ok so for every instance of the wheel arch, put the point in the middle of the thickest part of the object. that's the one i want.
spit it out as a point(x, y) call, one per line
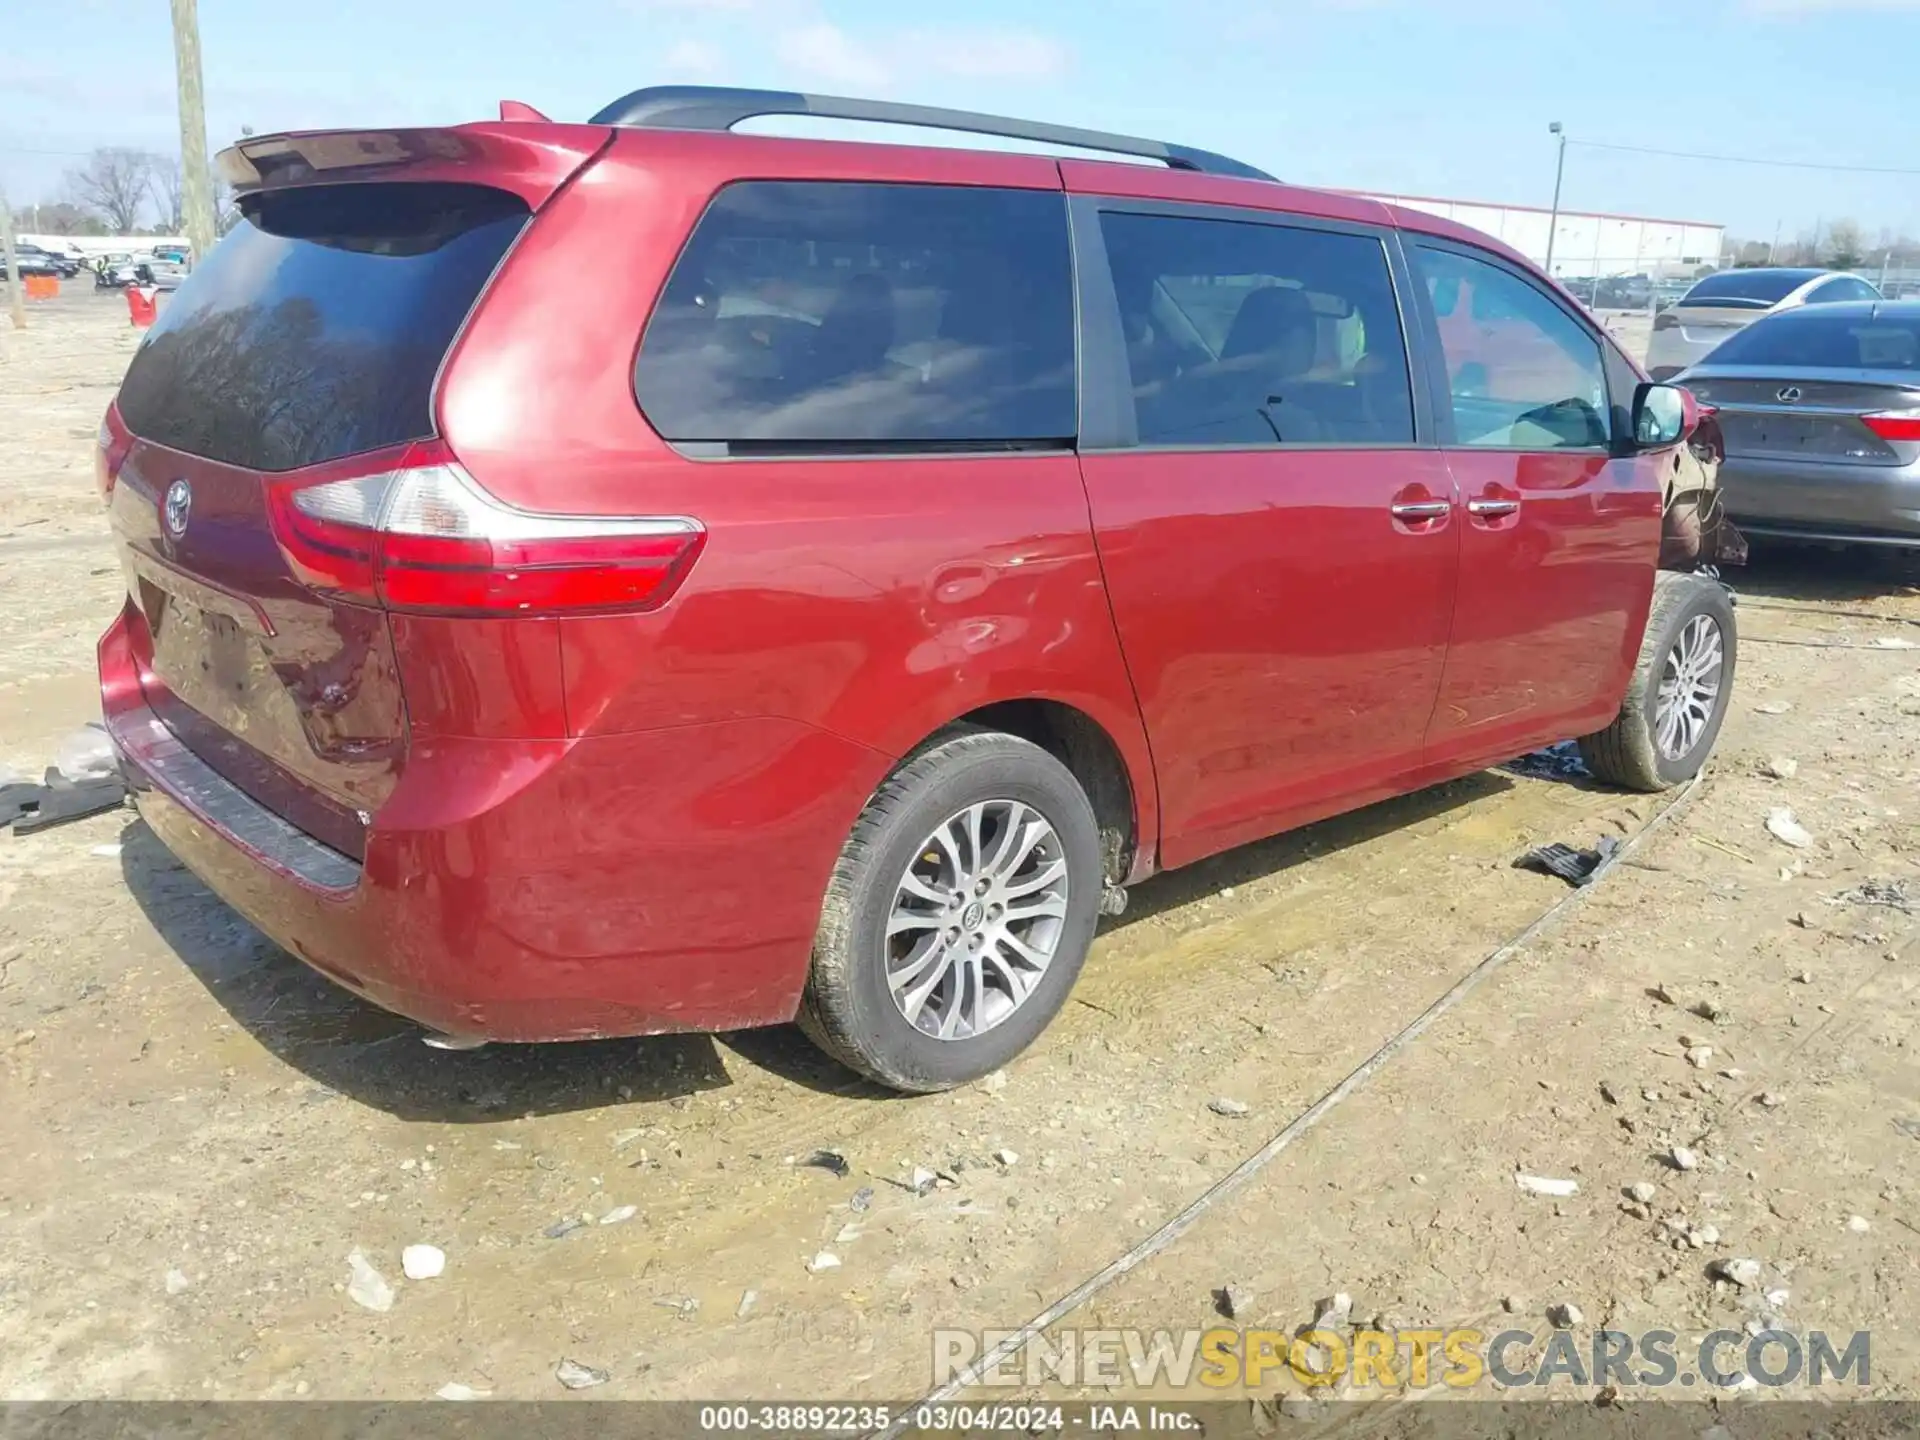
point(1119, 785)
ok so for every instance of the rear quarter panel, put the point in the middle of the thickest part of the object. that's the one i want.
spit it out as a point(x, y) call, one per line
point(866, 602)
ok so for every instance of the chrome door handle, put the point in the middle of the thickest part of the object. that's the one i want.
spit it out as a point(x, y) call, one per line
point(1421, 509)
point(1490, 508)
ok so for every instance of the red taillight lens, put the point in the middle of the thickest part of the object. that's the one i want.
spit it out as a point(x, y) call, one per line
point(425, 537)
point(1894, 427)
point(110, 453)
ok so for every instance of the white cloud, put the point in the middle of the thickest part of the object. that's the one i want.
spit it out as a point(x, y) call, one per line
point(693, 60)
point(989, 54)
point(825, 52)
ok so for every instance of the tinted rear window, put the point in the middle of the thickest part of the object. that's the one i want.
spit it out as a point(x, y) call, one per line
point(807, 314)
point(314, 330)
point(1819, 341)
point(1764, 286)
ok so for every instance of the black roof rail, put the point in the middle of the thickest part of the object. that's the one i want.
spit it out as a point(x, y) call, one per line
point(719, 107)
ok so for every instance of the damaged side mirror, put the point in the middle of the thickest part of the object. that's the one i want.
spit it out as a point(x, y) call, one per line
point(1663, 415)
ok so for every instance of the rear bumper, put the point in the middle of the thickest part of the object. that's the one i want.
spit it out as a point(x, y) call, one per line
point(534, 890)
point(1856, 503)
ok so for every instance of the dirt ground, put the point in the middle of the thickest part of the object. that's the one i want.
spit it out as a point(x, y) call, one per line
point(197, 1131)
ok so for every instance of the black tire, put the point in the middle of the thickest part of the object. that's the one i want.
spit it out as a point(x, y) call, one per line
point(1626, 753)
point(847, 1009)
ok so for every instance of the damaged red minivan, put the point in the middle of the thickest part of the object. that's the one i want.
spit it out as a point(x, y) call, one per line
point(607, 579)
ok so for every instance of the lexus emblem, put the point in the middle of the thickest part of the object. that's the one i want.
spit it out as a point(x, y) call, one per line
point(176, 507)
point(1788, 394)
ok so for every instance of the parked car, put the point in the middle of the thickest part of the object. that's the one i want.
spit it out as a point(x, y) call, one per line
point(1819, 409)
point(1724, 303)
point(27, 262)
point(36, 260)
point(828, 609)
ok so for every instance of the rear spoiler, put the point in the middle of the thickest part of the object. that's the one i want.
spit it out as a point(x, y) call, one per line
point(530, 160)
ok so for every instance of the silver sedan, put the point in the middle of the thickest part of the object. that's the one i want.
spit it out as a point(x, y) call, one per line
point(1720, 306)
point(1820, 409)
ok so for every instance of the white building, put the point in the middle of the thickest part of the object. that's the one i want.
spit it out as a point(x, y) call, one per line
point(1587, 243)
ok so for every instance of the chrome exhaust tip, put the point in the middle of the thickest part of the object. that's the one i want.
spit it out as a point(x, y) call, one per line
point(436, 1041)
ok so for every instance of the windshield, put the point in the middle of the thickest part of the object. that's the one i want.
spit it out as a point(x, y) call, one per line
point(1822, 341)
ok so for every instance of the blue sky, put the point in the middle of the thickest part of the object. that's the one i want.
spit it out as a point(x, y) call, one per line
point(1427, 98)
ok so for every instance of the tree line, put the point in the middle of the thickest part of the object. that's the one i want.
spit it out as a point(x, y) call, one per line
point(1839, 245)
point(119, 191)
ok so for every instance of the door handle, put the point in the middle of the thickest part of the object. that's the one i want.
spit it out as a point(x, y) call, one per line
point(1489, 509)
point(1421, 509)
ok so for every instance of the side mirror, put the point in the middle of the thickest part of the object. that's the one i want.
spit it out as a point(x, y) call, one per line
point(1663, 415)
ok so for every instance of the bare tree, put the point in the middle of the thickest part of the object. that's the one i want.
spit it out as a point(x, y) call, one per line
point(61, 217)
point(115, 185)
point(1845, 245)
point(168, 193)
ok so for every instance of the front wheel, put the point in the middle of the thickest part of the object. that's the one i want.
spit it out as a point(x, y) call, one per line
point(1679, 692)
point(958, 916)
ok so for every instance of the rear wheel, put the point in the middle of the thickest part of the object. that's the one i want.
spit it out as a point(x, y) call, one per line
point(958, 916)
point(1679, 692)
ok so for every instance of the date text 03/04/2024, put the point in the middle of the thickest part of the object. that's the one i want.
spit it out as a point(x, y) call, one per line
point(1098, 1417)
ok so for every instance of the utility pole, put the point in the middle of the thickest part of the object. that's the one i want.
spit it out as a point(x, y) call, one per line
point(1773, 250)
point(1559, 169)
point(196, 177)
point(18, 302)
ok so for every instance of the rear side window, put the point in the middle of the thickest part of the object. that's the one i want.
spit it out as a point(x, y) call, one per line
point(1242, 334)
point(1825, 341)
point(1845, 288)
point(807, 315)
point(315, 329)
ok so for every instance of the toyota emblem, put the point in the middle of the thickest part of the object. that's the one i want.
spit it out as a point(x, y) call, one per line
point(1788, 394)
point(176, 507)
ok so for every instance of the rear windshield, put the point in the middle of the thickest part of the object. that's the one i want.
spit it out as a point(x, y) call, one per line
point(1762, 287)
point(1837, 342)
point(314, 330)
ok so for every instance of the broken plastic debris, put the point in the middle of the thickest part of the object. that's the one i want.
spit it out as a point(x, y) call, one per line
point(368, 1287)
point(454, 1390)
point(1545, 1185)
point(575, 1376)
point(423, 1262)
point(1577, 867)
point(1784, 827)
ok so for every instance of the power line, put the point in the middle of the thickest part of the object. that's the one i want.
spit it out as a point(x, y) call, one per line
point(1747, 159)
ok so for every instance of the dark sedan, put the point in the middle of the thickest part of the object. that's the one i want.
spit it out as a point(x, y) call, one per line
point(1820, 408)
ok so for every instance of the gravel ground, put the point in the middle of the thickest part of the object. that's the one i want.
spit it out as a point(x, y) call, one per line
point(199, 1132)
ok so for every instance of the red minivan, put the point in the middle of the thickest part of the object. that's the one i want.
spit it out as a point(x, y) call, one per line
point(606, 579)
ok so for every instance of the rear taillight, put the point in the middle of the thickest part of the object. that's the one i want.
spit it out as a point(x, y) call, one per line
point(1894, 427)
point(424, 537)
point(1666, 320)
point(110, 453)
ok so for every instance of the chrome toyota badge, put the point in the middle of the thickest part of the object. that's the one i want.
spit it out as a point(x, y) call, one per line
point(176, 507)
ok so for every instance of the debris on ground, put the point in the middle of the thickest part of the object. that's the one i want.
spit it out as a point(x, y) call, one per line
point(423, 1262)
point(1565, 1315)
point(560, 1229)
point(1232, 1109)
point(1007, 1159)
point(824, 1260)
point(862, 1198)
point(1859, 1224)
point(1773, 707)
point(368, 1288)
point(1736, 1270)
point(1771, 1100)
point(748, 1299)
point(1682, 1158)
point(1891, 893)
point(1699, 1056)
point(177, 1282)
point(1545, 1185)
point(454, 1390)
point(1577, 867)
point(620, 1214)
point(1784, 827)
point(1708, 1010)
point(56, 800)
point(575, 1376)
point(1334, 1312)
point(920, 1182)
point(1234, 1301)
point(829, 1160)
point(684, 1307)
point(1643, 1191)
point(1780, 768)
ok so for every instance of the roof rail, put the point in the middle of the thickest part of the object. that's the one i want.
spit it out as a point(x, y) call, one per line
point(718, 107)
